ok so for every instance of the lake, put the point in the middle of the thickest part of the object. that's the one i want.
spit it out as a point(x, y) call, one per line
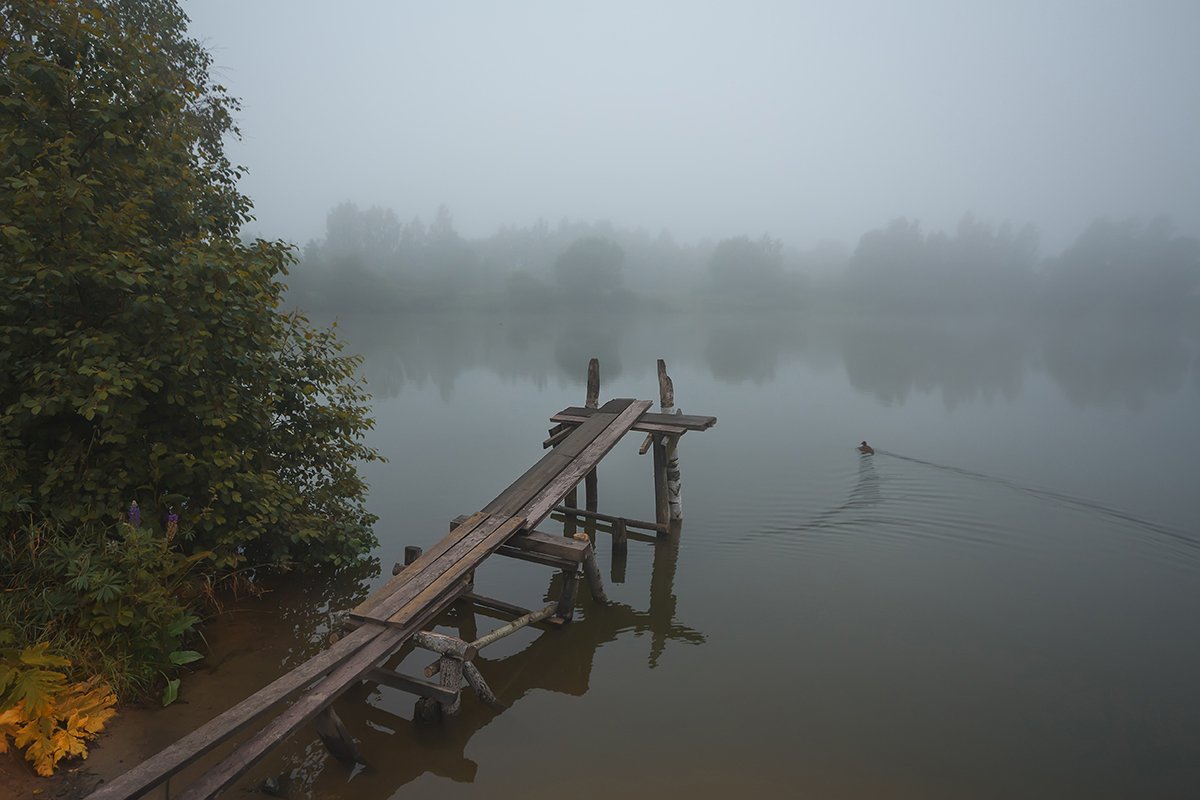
point(999, 603)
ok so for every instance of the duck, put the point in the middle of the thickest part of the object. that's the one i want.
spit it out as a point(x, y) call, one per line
point(866, 449)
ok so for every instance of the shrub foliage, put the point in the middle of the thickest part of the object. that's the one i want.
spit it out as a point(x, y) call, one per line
point(143, 355)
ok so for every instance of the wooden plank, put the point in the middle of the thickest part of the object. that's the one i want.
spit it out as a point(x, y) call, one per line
point(640, 427)
point(610, 519)
point(448, 562)
point(251, 751)
point(530, 481)
point(512, 499)
point(539, 507)
point(351, 670)
point(692, 422)
point(536, 558)
point(410, 571)
point(539, 542)
point(462, 558)
point(555, 438)
point(407, 683)
point(144, 777)
point(545, 544)
point(498, 606)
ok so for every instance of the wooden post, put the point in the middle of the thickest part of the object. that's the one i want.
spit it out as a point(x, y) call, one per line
point(620, 561)
point(620, 534)
point(666, 396)
point(662, 506)
point(450, 675)
point(411, 554)
point(593, 401)
point(565, 610)
point(591, 571)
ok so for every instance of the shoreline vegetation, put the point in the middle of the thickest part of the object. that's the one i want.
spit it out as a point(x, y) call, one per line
point(170, 434)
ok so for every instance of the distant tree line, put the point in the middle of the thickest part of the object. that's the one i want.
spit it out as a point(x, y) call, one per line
point(371, 261)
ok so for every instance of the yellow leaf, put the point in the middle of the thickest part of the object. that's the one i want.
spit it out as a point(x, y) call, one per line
point(66, 743)
point(68, 718)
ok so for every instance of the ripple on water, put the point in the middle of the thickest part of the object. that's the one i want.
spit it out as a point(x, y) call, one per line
point(891, 501)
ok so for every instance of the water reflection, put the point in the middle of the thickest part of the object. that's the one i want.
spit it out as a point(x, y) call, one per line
point(1117, 363)
point(963, 361)
point(558, 661)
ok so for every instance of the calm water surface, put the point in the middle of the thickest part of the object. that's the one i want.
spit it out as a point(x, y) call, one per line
point(1000, 603)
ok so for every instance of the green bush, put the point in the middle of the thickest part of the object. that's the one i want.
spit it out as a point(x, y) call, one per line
point(117, 601)
point(143, 354)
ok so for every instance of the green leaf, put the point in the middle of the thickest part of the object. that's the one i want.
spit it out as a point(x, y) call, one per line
point(171, 692)
point(182, 624)
point(37, 656)
point(181, 657)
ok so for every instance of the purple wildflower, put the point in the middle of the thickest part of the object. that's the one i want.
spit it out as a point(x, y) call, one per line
point(172, 525)
point(135, 514)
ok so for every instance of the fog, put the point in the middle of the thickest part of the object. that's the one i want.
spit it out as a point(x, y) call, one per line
point(804, 122)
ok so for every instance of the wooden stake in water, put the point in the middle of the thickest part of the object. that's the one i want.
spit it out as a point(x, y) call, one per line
point(590, 489)
point(666, 395)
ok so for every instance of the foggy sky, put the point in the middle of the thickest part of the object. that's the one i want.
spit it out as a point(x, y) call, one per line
point(804, 120)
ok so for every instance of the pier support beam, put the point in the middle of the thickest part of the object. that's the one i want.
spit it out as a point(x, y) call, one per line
point(666, 394)
point(565, 609)
point(591, 489)
point(662, 505)
point(591, 571)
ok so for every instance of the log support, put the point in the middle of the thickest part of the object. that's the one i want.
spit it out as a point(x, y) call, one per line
point(591, 572)
point(479, 685)
point(674, 488)
point(514, 626)
point(592, 401)
point(565, 608)
point(450, 675)
point(620, 535)
point(662, 507)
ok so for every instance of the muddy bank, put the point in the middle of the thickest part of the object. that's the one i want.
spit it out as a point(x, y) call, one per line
point(248, 646)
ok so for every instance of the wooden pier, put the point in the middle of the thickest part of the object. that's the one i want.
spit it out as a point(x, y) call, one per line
point(430, 583)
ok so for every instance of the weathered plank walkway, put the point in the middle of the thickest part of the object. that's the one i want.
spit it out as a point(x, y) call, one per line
point(399, 610)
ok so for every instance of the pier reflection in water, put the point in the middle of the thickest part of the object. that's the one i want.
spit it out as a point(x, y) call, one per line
point(399, 749)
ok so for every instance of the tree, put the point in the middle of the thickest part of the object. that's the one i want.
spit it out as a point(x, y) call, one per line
point(590, 268)
point(749, 274)
point(1130, 265)
point(143, 351)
